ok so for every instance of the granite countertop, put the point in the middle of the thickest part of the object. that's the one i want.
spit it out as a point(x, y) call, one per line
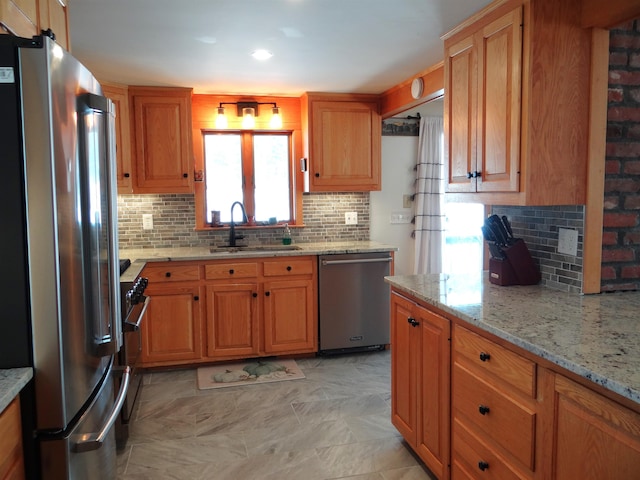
point(594, 336)
point(204, 252)
point(12, 380)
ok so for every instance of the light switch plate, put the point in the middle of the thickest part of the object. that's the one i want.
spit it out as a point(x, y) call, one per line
point(351, 218)
point(147, 221)
point(568, 241)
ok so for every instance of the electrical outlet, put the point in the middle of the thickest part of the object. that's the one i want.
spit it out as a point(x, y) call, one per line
point(147, 221)
point(351, 218)
point(568, 241)
point(400, 217)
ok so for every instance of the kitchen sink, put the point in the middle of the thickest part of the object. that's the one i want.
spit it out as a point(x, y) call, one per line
point(253, 248)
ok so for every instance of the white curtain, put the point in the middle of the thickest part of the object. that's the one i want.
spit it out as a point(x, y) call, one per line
point(428, 197)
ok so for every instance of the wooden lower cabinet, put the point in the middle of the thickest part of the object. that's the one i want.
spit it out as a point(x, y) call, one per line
point(232, 320)
point(11, 456)
point(594, 437)
point(420, 363)
point(173, 324)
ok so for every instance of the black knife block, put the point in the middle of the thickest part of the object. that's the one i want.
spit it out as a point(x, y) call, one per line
point(517, 268)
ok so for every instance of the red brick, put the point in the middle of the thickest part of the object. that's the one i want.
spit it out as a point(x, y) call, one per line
point(632, 202)
point(631, 271)
point(624, 114)
point(608, 273)
point(618, 58)
point(621, 185)
point(633, 132)
point(612, 167)
point(613, 220)
point(609, 238)
point(614, 131)
point(623, 149)
point(618, 255)
point(622, 77)
point(634, 60)
point(632, 167)
point(635, 95)
point(619, 287)
point(630, 238)
point(616, 95)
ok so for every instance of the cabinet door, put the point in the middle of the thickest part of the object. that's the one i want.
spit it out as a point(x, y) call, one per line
point(289, 316)
point(11, 456)
point(232, 320)
point(405, 352)
point(53, 15)
point(172, 327)
point(499, 86)
point(460, 115)
point(119, 97)
point(162, 138)
point(346, 143)
point(433, 424)
point(594, 437)
point(19, 17)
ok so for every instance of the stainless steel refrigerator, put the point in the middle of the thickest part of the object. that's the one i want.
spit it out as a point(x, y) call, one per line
point(60, 283)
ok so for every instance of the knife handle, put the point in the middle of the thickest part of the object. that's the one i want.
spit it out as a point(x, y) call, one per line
point(507, 225)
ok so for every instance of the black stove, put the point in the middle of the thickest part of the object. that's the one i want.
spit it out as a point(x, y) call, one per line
point(124, 264)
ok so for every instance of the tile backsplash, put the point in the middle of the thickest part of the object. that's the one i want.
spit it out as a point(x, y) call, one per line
point(538, 227)
point(174, 214)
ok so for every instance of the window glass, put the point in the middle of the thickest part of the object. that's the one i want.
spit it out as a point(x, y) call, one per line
point(463, 242)
point(223, 166)
point(271, 166)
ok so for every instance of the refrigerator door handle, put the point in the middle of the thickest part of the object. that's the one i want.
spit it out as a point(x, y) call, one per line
point(93, 441)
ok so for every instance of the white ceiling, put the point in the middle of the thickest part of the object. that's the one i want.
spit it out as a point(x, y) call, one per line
point(364, 46)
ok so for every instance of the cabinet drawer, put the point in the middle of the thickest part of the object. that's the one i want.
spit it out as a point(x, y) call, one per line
point(476, 460)
point(171, 273)
point(231, 270)
point(289, 266)
point(501, 418)
point(492, 358)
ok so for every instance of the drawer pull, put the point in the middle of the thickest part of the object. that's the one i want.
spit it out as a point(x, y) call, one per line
point(288, 268)
point(483, 409)
point(483, 465)
point(413, 322)
point(196, 298)
point(484, 356)
point(168, 274)
point(231, 271)
point(267, 293)
point(254, 294)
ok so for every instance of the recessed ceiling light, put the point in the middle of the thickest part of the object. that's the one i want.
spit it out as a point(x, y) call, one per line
point(262, 54)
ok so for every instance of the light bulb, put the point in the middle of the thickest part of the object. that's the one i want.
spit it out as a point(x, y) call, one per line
point(276, 119)
point(248, 118)
point(221, 119)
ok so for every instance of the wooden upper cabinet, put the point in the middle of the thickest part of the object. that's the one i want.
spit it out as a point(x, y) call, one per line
point(19, 17)
point(516, 119)
point(161, 139)
point(343, 136)
point(119, 95)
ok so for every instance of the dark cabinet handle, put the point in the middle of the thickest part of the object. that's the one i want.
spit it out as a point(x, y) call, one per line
point(483, 465)
point(185, 175)
point(413, 322)
point(267, 294)
point(317, 174)
point(288, 268)
point(483, 409)
point(254, 294)
point(196, 298)
point(231, 271)
point(484, 356)
point(168, 274)
point(126, 175)
point(475, 174)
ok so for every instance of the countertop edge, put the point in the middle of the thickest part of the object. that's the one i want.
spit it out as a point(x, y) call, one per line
point(12, 381)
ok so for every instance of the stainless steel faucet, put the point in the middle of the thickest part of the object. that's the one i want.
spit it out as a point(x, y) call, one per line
point(232, 227)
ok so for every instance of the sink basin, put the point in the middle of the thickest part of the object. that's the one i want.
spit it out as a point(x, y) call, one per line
point(253, 248)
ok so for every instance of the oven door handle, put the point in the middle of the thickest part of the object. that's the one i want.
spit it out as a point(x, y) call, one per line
point(134, 327)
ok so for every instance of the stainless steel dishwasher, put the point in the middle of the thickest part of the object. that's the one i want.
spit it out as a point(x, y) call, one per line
point(353, 301)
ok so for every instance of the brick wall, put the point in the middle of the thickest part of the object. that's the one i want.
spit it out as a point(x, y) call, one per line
point(174, 221)
point(538, 227)
point(621, 225)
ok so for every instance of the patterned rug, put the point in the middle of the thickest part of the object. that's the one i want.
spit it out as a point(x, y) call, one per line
point(248, 373)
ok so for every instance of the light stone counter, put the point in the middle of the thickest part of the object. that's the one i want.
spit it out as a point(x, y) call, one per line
point(204, 253)
point(594, 336)
point(12, 380)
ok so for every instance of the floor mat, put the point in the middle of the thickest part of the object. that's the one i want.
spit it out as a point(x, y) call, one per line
point(248, 373)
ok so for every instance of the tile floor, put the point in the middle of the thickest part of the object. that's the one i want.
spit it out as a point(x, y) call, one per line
point(334, 424)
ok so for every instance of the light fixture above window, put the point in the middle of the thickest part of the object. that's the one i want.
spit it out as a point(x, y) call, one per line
point(248, 111)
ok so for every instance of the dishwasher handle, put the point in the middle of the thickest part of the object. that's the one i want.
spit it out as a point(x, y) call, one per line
point(355, 260)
